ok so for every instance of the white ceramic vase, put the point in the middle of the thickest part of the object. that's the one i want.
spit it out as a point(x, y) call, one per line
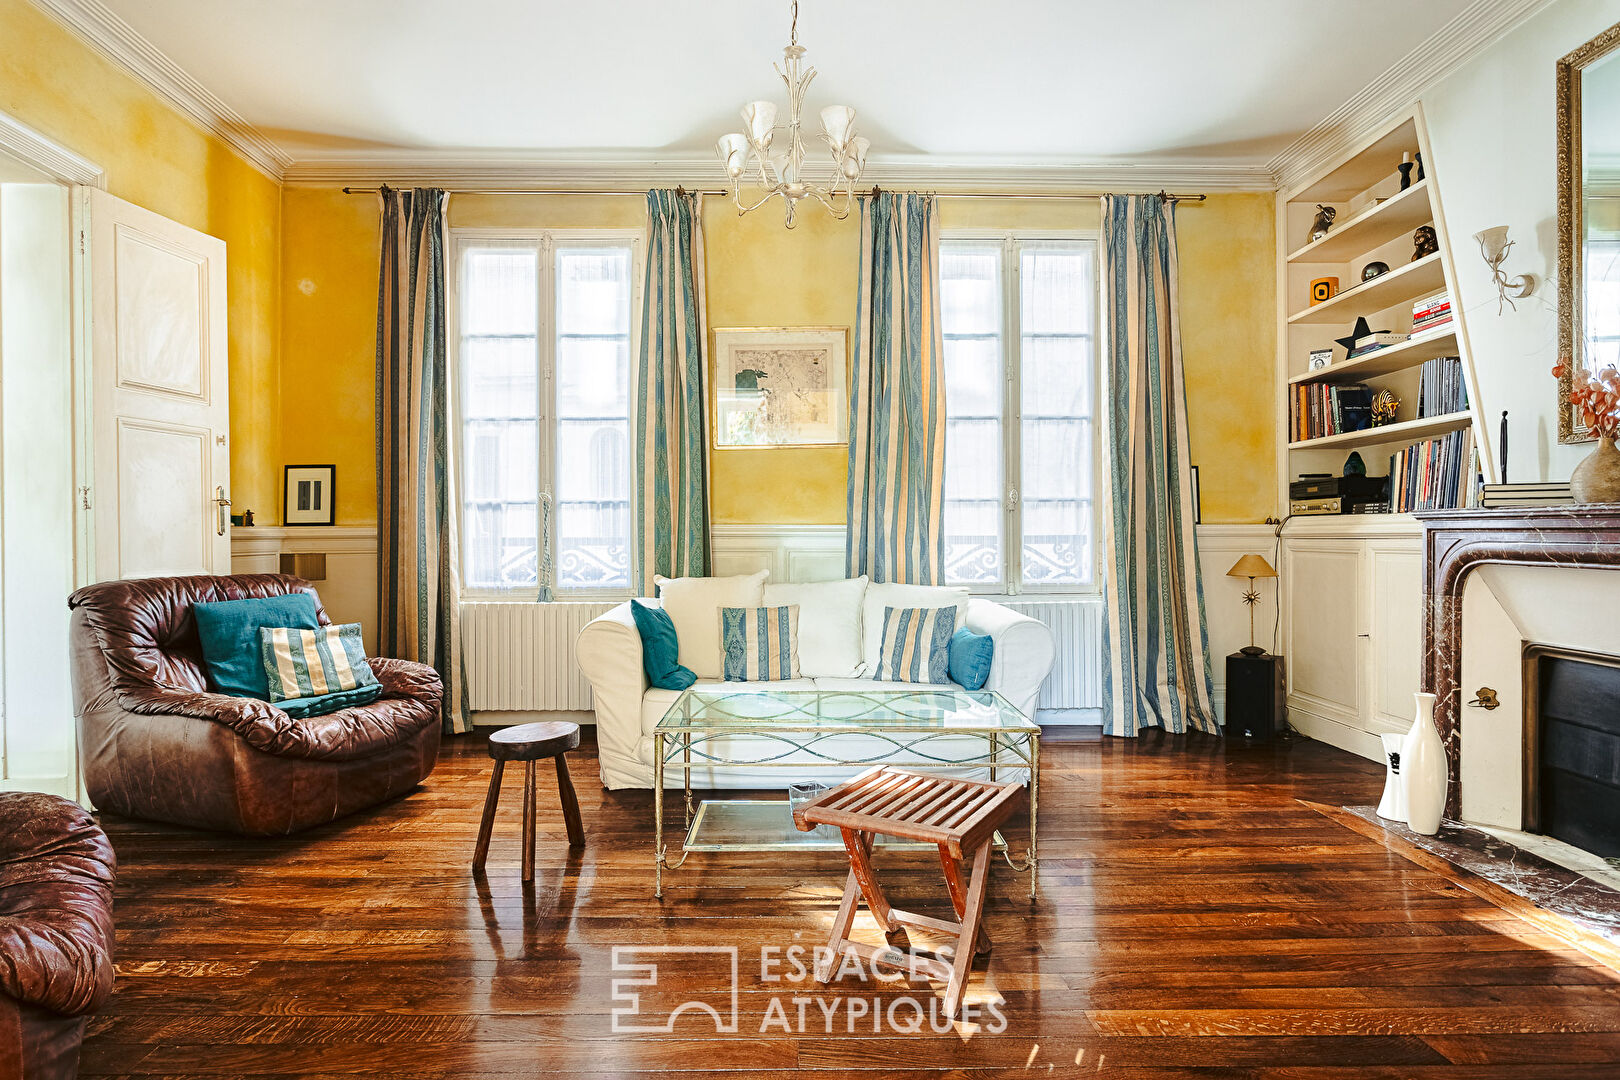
point(1423, 770)
point(1392, 807)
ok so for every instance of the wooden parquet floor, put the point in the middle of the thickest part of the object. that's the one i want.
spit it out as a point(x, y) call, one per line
point(1194, 919)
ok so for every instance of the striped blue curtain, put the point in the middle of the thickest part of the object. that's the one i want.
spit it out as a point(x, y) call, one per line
point(417, 563)
point(672, 526)
point(1156, 651)
point(896, 497)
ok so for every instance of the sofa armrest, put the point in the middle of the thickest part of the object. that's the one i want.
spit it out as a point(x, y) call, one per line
point(407, 679)
point(609, 655)
point(1023, 654)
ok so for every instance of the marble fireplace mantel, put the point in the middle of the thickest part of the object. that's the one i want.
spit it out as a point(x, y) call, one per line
point(1457, 542)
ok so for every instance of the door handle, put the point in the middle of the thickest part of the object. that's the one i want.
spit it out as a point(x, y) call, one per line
point(222, 507)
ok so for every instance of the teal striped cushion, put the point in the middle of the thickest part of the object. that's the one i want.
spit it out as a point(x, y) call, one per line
point(760, 644)
point(310, 663)
point(916, 645)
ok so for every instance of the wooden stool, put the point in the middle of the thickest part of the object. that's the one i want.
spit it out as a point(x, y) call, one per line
point(529, 743)
point(961, 816)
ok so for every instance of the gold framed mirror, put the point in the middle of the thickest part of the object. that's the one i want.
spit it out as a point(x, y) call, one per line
point(1588, 87)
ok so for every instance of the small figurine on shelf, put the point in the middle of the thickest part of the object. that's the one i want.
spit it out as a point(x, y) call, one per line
point(1354, 466)
point(1374, 269)
point(1418, 159)
point(1406, 171)
point(1384, 406)
point(1323, 222)
point(1424, 242)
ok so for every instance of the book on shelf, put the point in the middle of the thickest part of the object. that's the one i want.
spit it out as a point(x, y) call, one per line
point(1321, 409)
point(1438, 304)
point(1435, 474)
point(1441, 387)
point(1371, 343)
point(1426, 327)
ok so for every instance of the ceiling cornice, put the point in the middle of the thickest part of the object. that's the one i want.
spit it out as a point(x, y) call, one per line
point(1398, 87)
point(1371, 109)
point(115, 40)
point(466, 169)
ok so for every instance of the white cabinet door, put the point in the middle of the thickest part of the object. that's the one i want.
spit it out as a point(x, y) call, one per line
point(1395, 581)
point(161, 407)
point(1325, 648)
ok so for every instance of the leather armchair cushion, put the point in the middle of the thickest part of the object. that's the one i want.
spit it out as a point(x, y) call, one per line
point(56, 930)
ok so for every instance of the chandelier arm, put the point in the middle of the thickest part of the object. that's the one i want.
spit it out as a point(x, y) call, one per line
point(767, 197)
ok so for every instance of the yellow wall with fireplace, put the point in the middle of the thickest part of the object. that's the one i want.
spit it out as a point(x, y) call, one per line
point(154, 157)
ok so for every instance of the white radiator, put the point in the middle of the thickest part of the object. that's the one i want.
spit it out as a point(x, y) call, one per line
point(1076, 681)
point(520, 656)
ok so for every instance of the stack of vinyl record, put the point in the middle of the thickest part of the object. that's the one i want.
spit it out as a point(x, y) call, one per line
point(1539, 493)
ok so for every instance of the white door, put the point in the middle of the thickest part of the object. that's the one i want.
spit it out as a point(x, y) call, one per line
point(161, 429)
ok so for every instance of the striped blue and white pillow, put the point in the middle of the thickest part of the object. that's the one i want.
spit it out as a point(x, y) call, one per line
point(309, 663)
point(916, 645)
point(760, 644)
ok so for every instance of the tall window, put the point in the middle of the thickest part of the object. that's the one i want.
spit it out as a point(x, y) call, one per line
point(1018, 317)
point(544, 376)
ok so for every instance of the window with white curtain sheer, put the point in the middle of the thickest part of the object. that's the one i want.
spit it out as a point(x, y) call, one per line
point(1019, 317)
point(543, 370)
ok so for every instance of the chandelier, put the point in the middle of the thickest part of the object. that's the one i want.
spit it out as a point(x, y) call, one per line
point(782, 173)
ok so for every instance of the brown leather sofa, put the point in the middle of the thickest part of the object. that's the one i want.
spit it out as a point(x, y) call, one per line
point(156, 744)
point(56, 933)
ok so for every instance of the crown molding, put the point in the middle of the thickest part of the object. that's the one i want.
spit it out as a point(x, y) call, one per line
point(472, 168)
point(44, 153)
point(115, 40)
point(1378, 103)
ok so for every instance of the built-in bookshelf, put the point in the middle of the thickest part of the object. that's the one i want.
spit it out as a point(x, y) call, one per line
point(1375, 221)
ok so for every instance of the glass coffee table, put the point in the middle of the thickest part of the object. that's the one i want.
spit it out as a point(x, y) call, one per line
point(744, 728)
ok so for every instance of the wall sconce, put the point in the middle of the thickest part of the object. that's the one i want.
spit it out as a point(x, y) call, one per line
point(1494, 246)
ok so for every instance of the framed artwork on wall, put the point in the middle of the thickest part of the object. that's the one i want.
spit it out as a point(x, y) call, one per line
point(309, 494)
point(780, 386)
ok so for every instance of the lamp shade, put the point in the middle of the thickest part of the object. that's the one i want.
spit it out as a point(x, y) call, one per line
point(1252, 566)
point(1493, 243)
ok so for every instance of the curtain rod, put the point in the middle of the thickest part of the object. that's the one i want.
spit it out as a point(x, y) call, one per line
point(1165, 195)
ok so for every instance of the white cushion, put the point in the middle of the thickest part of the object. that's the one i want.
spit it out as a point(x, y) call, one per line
point(693, 605)
point(883, 594)
point(829, 625)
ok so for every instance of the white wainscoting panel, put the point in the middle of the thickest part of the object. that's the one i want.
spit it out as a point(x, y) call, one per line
point(793, 553)
point(349, 592)
point(1226, 618)
point(519, 656)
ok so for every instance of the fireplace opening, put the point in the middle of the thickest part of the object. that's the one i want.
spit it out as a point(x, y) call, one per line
point(1572, 748)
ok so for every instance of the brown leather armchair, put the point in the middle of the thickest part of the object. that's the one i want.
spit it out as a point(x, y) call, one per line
point(56, 933)
point(156, 744)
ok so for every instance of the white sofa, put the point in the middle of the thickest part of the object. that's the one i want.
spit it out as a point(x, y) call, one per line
point(627, 708)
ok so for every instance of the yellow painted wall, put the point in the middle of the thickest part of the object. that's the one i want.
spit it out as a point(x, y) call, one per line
point(156, 158)
point(1227, 248)
point(761, 274)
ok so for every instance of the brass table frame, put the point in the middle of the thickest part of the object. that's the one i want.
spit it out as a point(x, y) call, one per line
point(1021, 745)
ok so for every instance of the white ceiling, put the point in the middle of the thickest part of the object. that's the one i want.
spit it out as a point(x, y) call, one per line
point(1016, 81)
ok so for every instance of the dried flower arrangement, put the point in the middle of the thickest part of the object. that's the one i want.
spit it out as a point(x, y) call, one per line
point(1597, 400)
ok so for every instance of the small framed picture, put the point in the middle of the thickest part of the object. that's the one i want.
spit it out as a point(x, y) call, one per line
point(1321, 358)
point(309, 494)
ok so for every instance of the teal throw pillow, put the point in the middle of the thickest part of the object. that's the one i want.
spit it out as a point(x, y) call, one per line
point(330, 703)
point(970, 658)
point(660, 652)
point(233, 657)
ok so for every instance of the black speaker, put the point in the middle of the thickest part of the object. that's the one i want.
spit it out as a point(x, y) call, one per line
point(1255, 695)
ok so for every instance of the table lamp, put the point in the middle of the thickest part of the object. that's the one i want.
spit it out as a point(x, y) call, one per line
point(1251, 567)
